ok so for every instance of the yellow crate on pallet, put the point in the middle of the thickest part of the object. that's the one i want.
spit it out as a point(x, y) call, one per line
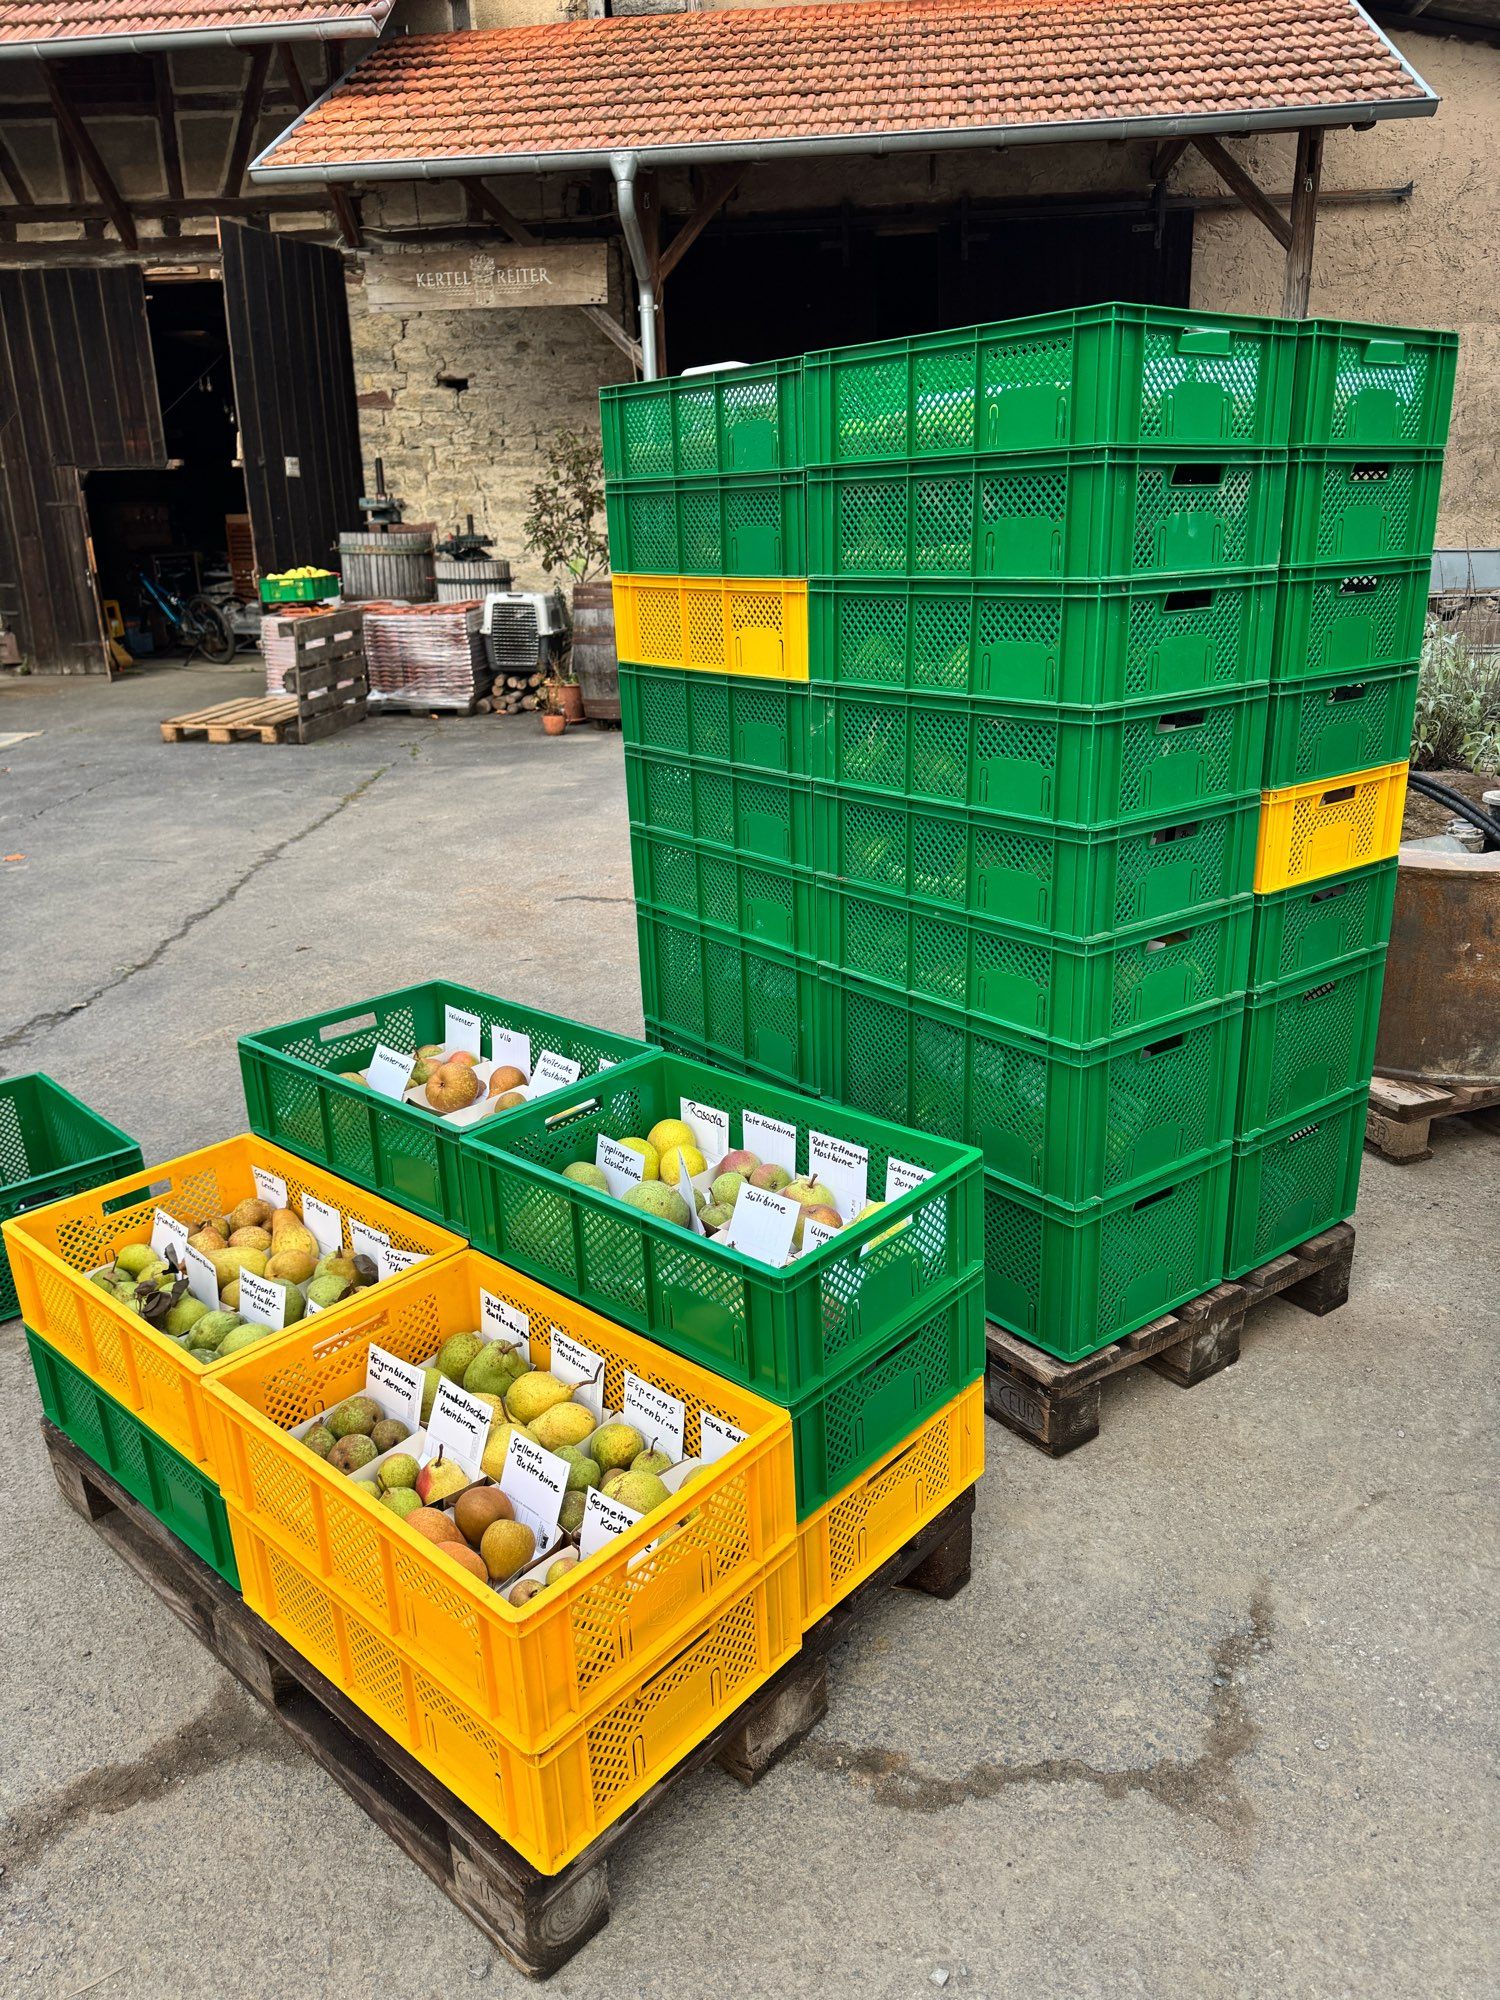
point(878, 1513)
point(723, 625)
point(53, 1250)
point(1329, 826)
point(531, 1671)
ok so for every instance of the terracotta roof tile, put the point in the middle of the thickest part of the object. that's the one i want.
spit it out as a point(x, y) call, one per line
point(26, 21)
point(799, 73)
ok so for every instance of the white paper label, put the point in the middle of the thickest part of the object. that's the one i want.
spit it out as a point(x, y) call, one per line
point(325, 1222)
point(621, 1166)
point(659, 1417)
point(772, 1138)
point(901, 1177)
point(762, 1224)
point(581, 1368)
point(270, 1187)
point(606, 1062)
point(262, 1300)
point(816, 1234)
point(509, 1048)
point(710, 1128)
point(169, 1237)
point(459, 1427)
point(367, 1242)
point(686, 1190)
point(552, 1072)
point(841, 1165)
point(203, 1282)
point(603, 1519)
point(462, 1029)
point(717, 1437)
point(396, 1386)
point(390, 1071)
point(499, 1320)
point(393, 1261)
point(534, 1480)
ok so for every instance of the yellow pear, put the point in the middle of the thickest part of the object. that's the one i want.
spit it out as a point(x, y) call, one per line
point(496, 1446)
point(284, 1218)
point(296, 1266)
point(529, 1395)
point(295, 1239)
point(563, 1424)
point(229, 1263)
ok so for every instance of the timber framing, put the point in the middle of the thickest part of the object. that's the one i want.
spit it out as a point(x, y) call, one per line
point(1295, 234)
point(485, 202)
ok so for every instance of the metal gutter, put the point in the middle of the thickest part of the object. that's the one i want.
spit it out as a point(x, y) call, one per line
point(873, 144)
point(356, 28)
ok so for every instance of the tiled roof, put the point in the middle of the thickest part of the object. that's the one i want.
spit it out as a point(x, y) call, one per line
point(797, 74)
point(26, 22)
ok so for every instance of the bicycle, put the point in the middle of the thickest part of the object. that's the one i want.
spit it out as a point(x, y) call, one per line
point(195, 622)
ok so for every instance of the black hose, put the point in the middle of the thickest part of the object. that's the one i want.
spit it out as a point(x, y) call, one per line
point(1444, 795)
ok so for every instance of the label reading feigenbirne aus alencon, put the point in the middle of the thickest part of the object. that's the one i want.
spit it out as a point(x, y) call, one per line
point(396, 1386)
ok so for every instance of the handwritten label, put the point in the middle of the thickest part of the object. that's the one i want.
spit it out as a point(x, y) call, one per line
point(203, 1280)
point(325, 1222)
point(710, 1127)
point(606, 1062)
point(262, 1300)
point(462, 1029)
point(763, 1224)
point(603, 1519)
point(510, 1048)
point(581, 1368)
point(270, 1187)
point(396, 1386)
point(772, 1138)
point(620, 1165)
point(393, 1261)
point(390, 1071)
point(459, 1427)
point(534, 1480)
point(169, 1237)
point(690, 1195)
point(816, 1234)
point(367, 1242)
point(718, 1438)
point(552, 1072)
point(901, 1177)
point(660, 1418)
point(843, 1166)
point(500, 1320)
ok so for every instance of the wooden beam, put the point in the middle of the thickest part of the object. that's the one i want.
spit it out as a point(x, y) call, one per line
point(11, 174)
point(249, 118)
point(223, 103)
point(490, 204)
point(1297, 288)
point(171, 141)
point(1234, 176)
point(1166, 157)
point(76, 136)
point(342, 204)
point(106, 252)
point(719, 184)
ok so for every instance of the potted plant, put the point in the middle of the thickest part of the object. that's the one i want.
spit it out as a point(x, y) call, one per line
point(554, 716)
point(564, 530)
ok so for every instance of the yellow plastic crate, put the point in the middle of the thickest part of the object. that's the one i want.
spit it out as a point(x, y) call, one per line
point(53, 1249)
point(1308, 831)
point(878, 1513)
point(548, 1806)
point(723, 625)
point(531, 1672)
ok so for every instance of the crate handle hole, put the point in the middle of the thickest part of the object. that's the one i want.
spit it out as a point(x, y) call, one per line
point(1187, 718)
point(1150, 1200)
point(1333, 889)
point(1354, 692)
point(338, 1031)
point(1358, 586)
point(1368, 475)
point(1166, 943)
point(1168, 833)
point(1338, 797)
point(1197, 475)
point(1187, 600)
point(1163, 1047)
point(1321, 992)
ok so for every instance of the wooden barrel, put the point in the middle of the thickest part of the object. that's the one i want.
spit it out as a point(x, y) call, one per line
point(594, 663)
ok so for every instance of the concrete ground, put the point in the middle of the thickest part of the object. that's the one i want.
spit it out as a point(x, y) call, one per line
point(1214, 1718)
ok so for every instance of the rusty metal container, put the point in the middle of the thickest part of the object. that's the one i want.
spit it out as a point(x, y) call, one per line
point(594, 660)
point(1440, 1018)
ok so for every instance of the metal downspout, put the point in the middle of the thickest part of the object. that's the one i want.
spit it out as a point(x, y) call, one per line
point(622, 166)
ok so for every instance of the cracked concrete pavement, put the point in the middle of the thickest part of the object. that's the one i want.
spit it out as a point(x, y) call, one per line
point(1214, 1719)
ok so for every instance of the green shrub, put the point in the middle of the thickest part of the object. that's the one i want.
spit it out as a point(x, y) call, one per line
point(1457, 724)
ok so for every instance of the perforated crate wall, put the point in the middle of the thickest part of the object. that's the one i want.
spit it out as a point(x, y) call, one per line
point(769, 904)
point(1300, 931)
point(748, 811)
point(709, 527)
point(1292, 1182)
point(741, 1000)
point(1324, 828)
point(1372, 385)
point(726, 420)
point(719, 626)
point(757, 725)
point(1337, 622)
point(51, 1146)
point(1318, 729)
point(1309, 1038)
point(1343, 509)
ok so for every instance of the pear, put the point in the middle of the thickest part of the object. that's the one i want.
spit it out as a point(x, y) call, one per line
point(563, 1424)
point(293, 1267)
point(440, 1480)
point(250, 1214)
point(583, 1471)
point(295, 1241)
point(651, 1461)
point(570, 1515)
point(400, 1469)
point(493, 1369)
point(351, 1453)
point(641, 1492)
point(401, 1500)
point(320, 1439)
point(559, 1567)
point(388, 1433)
point(359, 1414)
point(456, 1354)
point(136, 1259)
point(506, 1546)
point(337, 1264)
point(496, 1447)
point(617, 1446)
point(531, 1394)
point(431, 1379)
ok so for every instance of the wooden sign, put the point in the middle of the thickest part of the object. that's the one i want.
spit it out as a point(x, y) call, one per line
point(471, 275)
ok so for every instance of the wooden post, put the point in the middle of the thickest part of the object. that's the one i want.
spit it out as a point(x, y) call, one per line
point(345, 213)
point(82, 144)
point(1297, 290)
point(243, 141)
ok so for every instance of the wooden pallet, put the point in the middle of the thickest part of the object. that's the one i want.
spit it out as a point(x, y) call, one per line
point(326, 688)
point(262, 718)
point(1055, 1404)
point(1400, 1119)
point(536, 1921)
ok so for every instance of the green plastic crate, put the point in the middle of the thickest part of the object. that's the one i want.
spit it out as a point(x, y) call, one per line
point(1346, 623)
point(298, 589)
point(1109, 374)
point(739, 1000)
point(1071, 1280)
point(723, 420)
point(675, 1041)
point(745, 526)
point(181, 1495)
point(1290, 1183)
point(1308, 1038)
point(1344, 509)
point(1361, 384)
point(1300, 931)
point(1321, 729)
point(1073, 989)
point(757, 725)
point(1082, 766)
point(782, 1332)
point(1068, 514)
point(51, 1146)
point(1055, 642)
point(764, 903)
point(750, 811)
point(295, 1094)
point(1069, 880)
point(1074, 1124)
